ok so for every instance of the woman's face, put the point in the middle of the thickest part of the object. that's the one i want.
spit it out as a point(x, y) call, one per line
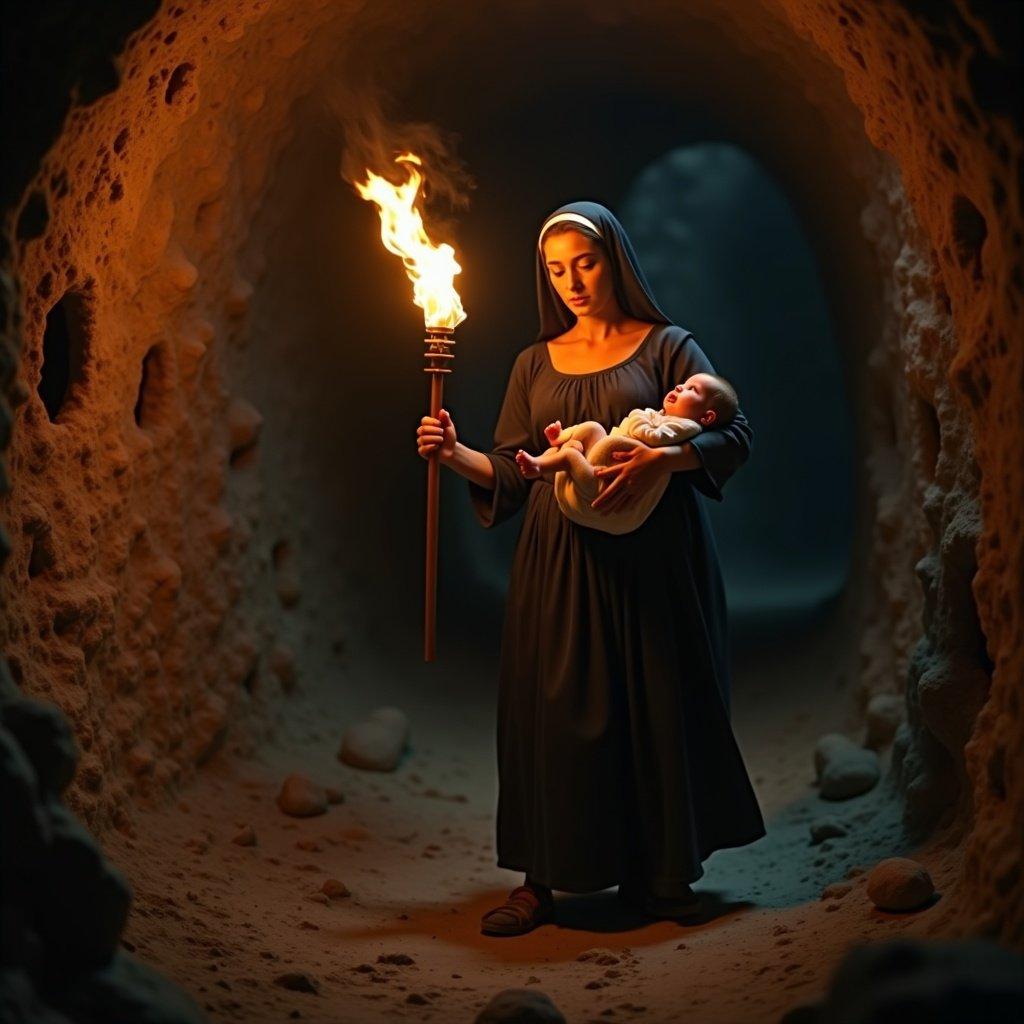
point(579, 271)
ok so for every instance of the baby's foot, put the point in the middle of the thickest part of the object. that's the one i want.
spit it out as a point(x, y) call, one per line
point(528, 465)
point(552, 430)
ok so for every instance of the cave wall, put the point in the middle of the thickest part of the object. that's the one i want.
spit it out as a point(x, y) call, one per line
point(936, 96)
point(153, 586)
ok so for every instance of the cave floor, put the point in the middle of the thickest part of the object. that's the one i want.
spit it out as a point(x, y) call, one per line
point(415, 847)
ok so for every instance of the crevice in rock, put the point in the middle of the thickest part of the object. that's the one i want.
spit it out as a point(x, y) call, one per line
point(64, 348)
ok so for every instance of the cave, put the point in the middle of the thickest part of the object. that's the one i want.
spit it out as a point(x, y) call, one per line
point(213, 538)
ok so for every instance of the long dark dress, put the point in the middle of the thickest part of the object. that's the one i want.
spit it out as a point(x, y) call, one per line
point(616, 758)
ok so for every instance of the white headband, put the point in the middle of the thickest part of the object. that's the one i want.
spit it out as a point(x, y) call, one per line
point(576, 218)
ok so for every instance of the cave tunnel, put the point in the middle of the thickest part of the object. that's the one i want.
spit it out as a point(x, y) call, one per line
point(213, 507)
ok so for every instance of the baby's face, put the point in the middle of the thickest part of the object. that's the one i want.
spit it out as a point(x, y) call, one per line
point(691, 399)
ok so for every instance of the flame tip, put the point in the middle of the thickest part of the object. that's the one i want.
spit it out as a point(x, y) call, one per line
point(431, 267)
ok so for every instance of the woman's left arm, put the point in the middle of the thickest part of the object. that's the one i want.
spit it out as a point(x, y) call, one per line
point(708, 459)
point(718, 452)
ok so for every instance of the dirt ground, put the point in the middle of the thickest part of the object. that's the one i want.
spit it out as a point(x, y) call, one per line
point(416, 850)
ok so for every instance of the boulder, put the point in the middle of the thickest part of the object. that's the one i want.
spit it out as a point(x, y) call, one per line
point(826, 828)
point(885, 712)
point(844, 769)
point(919, 982)
point(301, 797)
point(520, 1006)
point(899, 883)
point(377, 742)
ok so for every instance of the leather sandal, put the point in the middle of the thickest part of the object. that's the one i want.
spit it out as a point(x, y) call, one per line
point(524, 910)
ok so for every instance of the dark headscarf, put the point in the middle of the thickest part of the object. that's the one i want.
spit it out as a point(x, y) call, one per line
point(631, 288)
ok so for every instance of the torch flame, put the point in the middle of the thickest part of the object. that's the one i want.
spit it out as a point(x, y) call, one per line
point(431, 268)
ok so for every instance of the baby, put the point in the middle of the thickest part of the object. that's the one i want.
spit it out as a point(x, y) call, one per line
point(578, 451)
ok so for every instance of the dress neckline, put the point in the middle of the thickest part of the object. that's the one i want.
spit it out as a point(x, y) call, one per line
point(605, 369)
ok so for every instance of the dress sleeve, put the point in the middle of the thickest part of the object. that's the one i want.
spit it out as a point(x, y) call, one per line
point(722, 450)
point(512, 432)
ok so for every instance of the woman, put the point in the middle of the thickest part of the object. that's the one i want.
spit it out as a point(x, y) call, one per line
point(616, 760)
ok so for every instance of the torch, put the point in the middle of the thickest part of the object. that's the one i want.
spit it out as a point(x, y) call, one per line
point(431, 268)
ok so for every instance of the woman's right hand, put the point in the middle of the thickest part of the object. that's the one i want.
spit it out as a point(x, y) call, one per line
point(436, 435)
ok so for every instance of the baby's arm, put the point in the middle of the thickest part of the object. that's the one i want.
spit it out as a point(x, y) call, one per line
point(658, 431)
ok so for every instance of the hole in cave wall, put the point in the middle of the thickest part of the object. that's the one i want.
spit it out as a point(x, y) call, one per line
point(931, 435)
point(65, 339)
point(156, 388)
point(969, 233)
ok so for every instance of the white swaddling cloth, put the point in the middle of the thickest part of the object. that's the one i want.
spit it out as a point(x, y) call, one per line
point(647, 427)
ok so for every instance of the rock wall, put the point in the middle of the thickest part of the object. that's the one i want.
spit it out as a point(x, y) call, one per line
point(142, 603)
point(940, 93)
point(152, 587)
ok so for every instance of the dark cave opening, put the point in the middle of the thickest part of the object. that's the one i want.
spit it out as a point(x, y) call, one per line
point(63, 352)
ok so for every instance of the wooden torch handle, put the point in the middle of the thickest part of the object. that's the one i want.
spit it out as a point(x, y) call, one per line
point(433, 496)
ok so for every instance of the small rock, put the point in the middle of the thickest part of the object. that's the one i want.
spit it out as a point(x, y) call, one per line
point(885, 711)
point(401, 959)
point(298, 981)
point(392, 718)
point(520, 1006)
point(334, 889)
point(301, 797)
point(844, 769)
point(309, 845)
point(593, 954)
point(319, 897)
point(899, 883)
point(826, 828)
point(829, 746)
point(416, 999)
point(245, 836)
point(376, 743)
point(835, 891)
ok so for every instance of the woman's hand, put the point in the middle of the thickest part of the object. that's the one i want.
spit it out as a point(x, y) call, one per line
point(436, 435)
point(638, 471)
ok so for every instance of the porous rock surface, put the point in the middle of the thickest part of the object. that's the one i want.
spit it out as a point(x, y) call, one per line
point(64, 905)
point(152, 574)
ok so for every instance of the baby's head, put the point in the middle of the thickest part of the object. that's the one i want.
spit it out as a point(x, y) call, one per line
point(705, 397)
